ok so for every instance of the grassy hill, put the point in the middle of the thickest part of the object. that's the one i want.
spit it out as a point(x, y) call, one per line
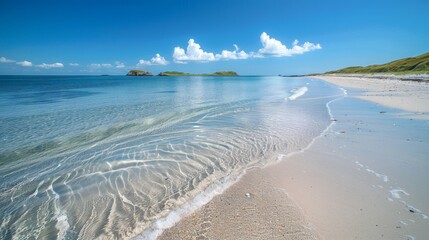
point(412, 65)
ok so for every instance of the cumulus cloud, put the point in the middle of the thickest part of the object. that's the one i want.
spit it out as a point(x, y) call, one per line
point(159, 60)
point(5, 60)
point(270, 47)
point(274, 47)
point(156, 60)
point(119, 64)
point(193, 53)
point(236, 54)
point(100, 65)
point(25, 63)
point(143, 62)
point(52, 65)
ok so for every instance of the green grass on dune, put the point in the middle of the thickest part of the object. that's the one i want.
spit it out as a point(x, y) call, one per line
point(412, 65)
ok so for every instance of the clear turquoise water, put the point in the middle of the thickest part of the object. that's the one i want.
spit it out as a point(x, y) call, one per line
point(92, 156)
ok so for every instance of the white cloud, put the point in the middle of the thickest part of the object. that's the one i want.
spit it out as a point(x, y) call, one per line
point(25, 63)
point(271, 47)
point(159, 60)
point(119, 64)
point(193, 53)
point(306, 47)
point(274, 47)
point(236, 54)
point(5, 60)
point(100, 65)
point(156, 60)
point(143, 62)
point(52, 65)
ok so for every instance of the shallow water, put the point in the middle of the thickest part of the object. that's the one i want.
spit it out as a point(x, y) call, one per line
point(91, 156)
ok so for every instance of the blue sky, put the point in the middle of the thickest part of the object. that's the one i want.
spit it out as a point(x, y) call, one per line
point(112, 37)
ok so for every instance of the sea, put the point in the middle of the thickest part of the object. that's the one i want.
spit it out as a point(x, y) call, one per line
point(117, 157)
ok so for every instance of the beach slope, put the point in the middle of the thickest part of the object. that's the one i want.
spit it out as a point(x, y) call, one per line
point(362, 179)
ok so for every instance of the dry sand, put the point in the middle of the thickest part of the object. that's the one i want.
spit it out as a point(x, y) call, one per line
point(411, 96)
point(342, 187)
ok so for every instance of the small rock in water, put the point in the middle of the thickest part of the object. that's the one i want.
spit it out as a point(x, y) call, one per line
point(247, 195)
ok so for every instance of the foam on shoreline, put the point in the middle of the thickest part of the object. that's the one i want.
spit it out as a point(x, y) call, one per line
point(302, 177)
point(394, 194)
point(298, 93)
point(157, 228)
point(173, 217)
point(324, 131)
point(156, 171)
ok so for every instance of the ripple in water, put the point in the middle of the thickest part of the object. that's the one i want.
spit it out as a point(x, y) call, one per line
point(132, 168)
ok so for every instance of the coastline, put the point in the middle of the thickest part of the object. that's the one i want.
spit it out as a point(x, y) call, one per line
point(298, 191)
point(409, 96)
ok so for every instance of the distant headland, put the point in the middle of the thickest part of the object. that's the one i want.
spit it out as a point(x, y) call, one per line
point(407, 69)
point(411, 65)
point(175, 73)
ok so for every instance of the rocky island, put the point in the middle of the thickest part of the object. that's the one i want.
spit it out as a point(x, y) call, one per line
point(138, 73)
point(175, 73)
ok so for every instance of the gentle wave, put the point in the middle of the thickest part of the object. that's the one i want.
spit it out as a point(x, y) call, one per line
point(122, 171)
point(157, 228)
point(161, 164)
point(174, 216)
point(298, 93)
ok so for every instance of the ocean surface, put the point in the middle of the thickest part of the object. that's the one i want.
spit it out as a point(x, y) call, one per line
point(85, 157)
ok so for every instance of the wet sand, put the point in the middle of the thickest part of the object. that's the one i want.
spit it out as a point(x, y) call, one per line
point(253, 208)
point(363, 179)
point(346, 183)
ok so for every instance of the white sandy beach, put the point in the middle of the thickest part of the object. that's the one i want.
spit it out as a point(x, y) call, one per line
point(411, 96)
point(363, 179)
